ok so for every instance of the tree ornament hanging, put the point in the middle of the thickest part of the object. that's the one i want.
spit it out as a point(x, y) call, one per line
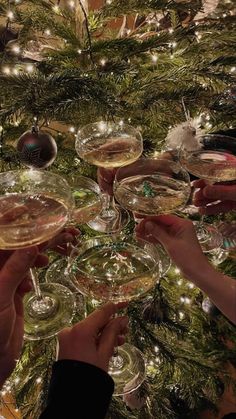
point(37, 149)
point(187, 134)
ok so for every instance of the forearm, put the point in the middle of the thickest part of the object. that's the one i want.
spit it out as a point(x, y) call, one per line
point(221, 289)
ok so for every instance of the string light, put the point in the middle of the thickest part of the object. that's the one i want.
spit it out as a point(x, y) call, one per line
point(174, 44)
point(56, 8)
point(181, 315)
point(16, 49)
point(191, 285)
point(71, 4)
point(6, 70)
point(10, 15)
point(29, 68)
point(38, 380)
point(79, 51)
point(108, 1)
point(177, 271)
point(171, 30)
point(233, 69)
point(103, 61)
point(156, 349)
point(48, 32)
point(72, 129)
point(154, 58)
point(187, 300)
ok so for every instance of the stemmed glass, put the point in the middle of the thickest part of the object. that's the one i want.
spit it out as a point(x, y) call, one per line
point(34, 207)
point(88, 204)
point(112, 269)
point(214, 161)
point(153, 187)
point(109, 145)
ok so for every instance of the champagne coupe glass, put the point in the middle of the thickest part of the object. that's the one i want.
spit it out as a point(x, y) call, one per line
point(215, 161)
point(109, 145)
point(88, 204)
point(34, 206)
point(114, 269)
point(153, 187)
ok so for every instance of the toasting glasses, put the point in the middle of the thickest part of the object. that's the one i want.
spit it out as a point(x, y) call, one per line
point(34, 207)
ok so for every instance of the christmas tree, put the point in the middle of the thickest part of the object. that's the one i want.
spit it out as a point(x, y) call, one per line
point(66, 64)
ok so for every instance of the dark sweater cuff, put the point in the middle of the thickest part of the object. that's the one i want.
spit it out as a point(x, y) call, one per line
point(78, 389)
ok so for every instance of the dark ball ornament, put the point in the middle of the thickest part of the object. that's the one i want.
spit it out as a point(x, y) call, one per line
point(37, 149)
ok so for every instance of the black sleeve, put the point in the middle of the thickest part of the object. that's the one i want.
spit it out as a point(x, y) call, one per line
point(78, 391)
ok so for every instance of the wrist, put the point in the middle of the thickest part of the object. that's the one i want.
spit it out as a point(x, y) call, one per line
point(198, 269)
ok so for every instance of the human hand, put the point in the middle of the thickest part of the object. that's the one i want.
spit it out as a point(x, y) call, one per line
point(63, 242)
point(178, 237)
point(93, 340)
point(105, 178)
point(214, 199)
point(14, 284)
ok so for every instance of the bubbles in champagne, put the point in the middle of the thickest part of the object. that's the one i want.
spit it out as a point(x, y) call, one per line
point(114, 272)
point(27, 219)
point(111, 152)
point(151, 194)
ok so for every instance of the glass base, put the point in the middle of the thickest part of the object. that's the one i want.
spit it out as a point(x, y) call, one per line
point(45, 318)
point(216, 257)
point(58, 273)
point(208, 236)
point(104, 225)
point(127, 369)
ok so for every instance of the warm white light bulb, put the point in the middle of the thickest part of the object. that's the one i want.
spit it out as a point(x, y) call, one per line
point(103, 61)
point(154, 58)
point(6, 70)
point(171, 30)
point(71, 4)
point(56, 8)
point(29, 68)
point(233, 69)
point(72, 129)
point(16, 49)
point(10, 15)
point(48, 32)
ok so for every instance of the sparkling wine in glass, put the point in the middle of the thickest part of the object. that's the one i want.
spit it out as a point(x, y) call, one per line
point(109, 145)
point(215, 161)
point(88, 204)
point(111, 269)
point(34, 207)
point(152, 186)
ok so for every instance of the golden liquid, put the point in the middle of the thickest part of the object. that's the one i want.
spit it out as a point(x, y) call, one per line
point(105, 273)
point(212, 165)
point(29, 219)
point(167, 194)
point(87, 205)
point(112, 152)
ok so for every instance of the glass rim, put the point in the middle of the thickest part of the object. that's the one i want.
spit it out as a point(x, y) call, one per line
point(145, 159)
point(104, 238)
point(109, 123)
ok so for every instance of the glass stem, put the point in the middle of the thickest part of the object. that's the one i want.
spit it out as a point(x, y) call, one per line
point(35, 281)
point(201, 221)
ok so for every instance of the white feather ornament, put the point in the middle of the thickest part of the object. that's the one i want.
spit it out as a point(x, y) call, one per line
point(187, 134)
